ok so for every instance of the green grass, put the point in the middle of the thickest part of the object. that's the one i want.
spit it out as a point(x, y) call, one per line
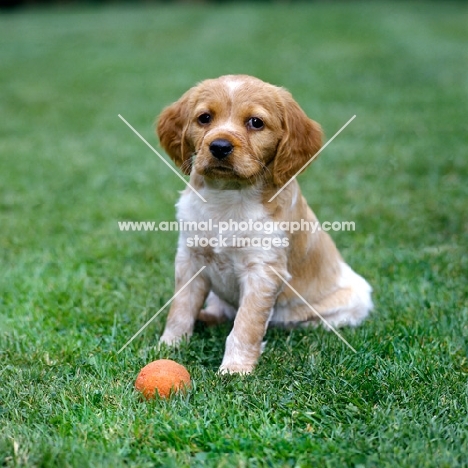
point(73, 289)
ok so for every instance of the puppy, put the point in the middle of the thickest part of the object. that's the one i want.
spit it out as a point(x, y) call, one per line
point(242, 140)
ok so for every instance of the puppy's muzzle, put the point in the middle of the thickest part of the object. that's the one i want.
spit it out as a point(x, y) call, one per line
point(221, 148)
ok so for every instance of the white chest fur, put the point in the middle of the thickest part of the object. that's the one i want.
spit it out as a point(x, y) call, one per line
point(221, 237)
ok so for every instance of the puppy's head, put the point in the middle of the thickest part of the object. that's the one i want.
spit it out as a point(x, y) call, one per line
point(238, 127)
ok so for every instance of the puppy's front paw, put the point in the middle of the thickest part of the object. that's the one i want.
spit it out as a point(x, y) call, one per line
point(236, 369)
point(170, 339)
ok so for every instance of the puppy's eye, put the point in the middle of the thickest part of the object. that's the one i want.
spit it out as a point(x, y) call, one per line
point(255, 123)
point(204, 118)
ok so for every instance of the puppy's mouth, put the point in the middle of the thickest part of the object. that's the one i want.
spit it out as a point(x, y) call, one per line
point(214, 168)
point(220, 170)
point(225, 170)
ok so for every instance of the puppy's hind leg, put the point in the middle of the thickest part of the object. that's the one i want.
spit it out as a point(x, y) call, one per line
point(349, 304)
point(216, 311)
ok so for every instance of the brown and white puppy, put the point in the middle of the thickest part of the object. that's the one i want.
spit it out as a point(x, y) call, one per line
point(241, 140)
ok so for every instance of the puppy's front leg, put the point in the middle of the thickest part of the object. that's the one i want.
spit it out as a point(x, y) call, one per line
point(244, 343)
point(187, 304)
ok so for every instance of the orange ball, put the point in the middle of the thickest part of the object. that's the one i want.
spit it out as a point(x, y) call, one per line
point(163, 375)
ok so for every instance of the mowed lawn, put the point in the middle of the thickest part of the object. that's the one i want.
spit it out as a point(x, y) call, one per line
point(74, 289)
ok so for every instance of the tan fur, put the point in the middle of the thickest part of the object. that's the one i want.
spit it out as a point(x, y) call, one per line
point(238, 187)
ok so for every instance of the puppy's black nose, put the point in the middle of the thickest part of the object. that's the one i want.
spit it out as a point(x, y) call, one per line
point(220, 148)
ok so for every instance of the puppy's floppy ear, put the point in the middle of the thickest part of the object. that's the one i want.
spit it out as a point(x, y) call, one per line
point(172, 132)
point(301, 140)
